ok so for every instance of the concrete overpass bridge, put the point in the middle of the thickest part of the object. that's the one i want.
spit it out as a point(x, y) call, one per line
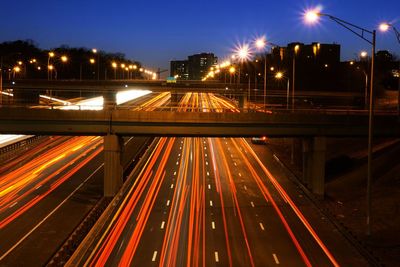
point(313, 126)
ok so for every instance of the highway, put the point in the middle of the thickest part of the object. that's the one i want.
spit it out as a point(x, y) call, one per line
point(204, 202)
point(195, 202)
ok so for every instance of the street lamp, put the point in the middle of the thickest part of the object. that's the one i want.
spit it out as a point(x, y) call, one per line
point(114, 65)
point(364, 55)
point(313, 16)
point(296, 50)
point(51, 54)
point(279, 75)
point(384, 27)
point(261, 44)
point(94, 50)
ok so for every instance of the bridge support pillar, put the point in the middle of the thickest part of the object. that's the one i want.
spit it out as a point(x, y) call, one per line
point(314, 151)
point(113, 173)
point(110, 100)
point(243, 104)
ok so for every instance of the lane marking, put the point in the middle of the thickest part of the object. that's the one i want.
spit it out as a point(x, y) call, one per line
point(167, 203)
point(211, 204)
point(37, 187)
point(154, 256)
point(262, 227)
point(206, 162)
point(177, 162)
point(208, 174)
point(212, 225)
point(172, 186)
point(245, 187)
point(209, 186)
point(162, 225)
point(234, 163)
point(174, 173)
point(48, 216)
point(15, 203)
point(216, 256)
point(252, 204)
point(205, 154)
point(240, 174)
point(275, 258)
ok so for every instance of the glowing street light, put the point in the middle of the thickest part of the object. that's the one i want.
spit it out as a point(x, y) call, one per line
point(311, 16)
point(92, 61)
point(243, 52)
point(64, 59)
point(279, 75)
point(363, 54)
point(232, 70)
point(261, 43)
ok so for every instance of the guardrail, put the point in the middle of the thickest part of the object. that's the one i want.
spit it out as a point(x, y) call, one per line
point(269, 109)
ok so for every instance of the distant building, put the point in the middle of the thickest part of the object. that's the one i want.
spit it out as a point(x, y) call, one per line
point(200, 64)
point(179, 69)
point(195, 68)
point(317, 53)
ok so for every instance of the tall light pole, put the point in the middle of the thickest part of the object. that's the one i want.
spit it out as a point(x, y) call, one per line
point(51, 54)
point(384, 27)
point(94, 50)
point(261, 44)
point(296, 49)
point(312, 16)
point(364, 55)
point(279, 75)
point(115, 65)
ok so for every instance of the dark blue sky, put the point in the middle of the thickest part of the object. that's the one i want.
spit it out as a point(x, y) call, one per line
point(155, 32)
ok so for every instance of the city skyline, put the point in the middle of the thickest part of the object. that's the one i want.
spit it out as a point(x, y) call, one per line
point(162, 32)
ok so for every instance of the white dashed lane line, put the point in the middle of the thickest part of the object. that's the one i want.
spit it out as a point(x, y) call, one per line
point(162, 225)
point(216, 256)
point(168, 203)
point(154, 256)
point(262, 227)
point(275, 258)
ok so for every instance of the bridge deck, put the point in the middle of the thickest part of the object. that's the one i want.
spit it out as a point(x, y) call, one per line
point(170, 123)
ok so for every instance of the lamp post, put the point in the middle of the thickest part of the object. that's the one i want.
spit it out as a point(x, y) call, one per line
point(364, 54)
point(114, 65)
point(94, 50)
point(279, 75)
point(312, 16)
point(384, 27)
point(51, 54)
point(261, 44)
point(296, 49)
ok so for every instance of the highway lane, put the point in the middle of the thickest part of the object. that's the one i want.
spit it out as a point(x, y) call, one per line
point(204, 202)
point(195, 205)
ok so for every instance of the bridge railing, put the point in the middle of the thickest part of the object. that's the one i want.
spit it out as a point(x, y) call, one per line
point(269, 109)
